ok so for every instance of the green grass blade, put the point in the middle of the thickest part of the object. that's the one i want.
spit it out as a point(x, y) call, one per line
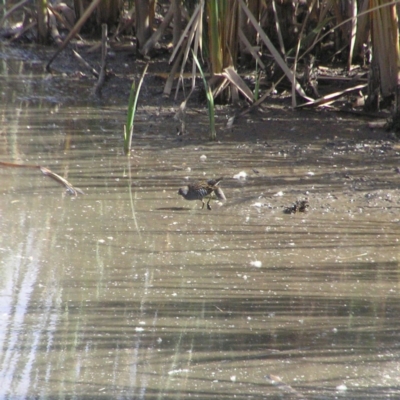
point(210, 101)
point(133, 99)
point(131, 111)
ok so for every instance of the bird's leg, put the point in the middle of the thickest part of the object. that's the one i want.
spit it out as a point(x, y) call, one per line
point(202, 206)
point(208, 203)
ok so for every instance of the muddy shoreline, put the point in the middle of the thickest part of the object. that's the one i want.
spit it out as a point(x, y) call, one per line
point(324, 146)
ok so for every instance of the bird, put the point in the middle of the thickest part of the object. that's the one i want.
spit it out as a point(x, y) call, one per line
point(203, 189)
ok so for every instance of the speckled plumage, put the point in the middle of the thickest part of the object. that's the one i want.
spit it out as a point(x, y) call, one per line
point(202, 189)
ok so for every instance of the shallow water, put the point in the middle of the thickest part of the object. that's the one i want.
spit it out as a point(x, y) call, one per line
point(128, 291)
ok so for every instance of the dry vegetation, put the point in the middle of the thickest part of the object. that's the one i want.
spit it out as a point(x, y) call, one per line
point(247, 47)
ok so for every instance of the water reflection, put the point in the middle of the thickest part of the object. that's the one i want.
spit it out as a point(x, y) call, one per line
point(131, 292)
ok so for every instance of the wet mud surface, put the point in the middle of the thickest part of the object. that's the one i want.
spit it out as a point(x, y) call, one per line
point(334, 159)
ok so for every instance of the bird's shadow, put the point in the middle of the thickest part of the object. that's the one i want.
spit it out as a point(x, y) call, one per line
point(173, 208)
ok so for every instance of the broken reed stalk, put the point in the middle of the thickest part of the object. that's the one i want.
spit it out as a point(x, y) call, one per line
point(256, 92)
point(11, 10)
point(45, 171)
point(74, 31)
point(102, 76)
point(82, 61)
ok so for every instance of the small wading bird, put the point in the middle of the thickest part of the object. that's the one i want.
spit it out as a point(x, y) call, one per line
point(201, 190)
